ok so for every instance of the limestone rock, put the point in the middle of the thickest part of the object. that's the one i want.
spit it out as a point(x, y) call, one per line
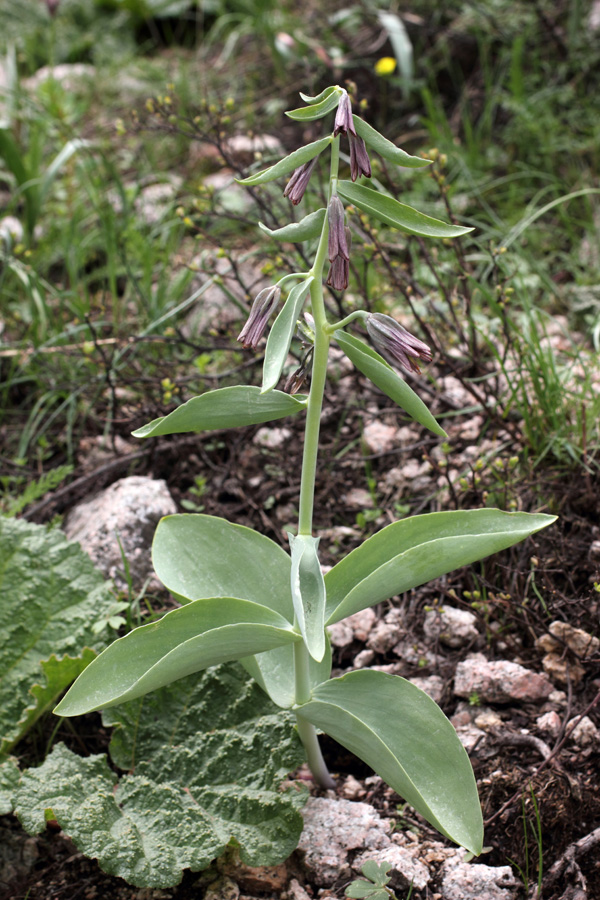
point(130, 509)
point(379, 437)
point(453, 627)
point(333, 828)
point(431, 684)
point(585, 733)
point(406, 868)
point(473, 881)
point(499, 681)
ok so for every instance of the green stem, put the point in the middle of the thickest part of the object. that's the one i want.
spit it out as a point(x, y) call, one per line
point(306, 730)
point(359, 314)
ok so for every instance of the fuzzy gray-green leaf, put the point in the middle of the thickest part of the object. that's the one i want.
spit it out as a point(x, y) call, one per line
point(51, 597)
point(193, 791)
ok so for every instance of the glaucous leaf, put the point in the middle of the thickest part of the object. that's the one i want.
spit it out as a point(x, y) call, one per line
point(400, 732)
point(230, 407)
point(322, 96)
point(51, 597)
point(193, 553)
point(186, 640)
point(383, 376)
point(316, 110)
point(274, 672)
point(398, 215)
point(288, 163)
point(209, 754)
point(386, 148)
point(281, 334)
point(415, 550)
point(308, 593)
point(306, 229)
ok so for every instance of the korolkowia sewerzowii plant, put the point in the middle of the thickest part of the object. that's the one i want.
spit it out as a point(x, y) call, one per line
point(243, 597)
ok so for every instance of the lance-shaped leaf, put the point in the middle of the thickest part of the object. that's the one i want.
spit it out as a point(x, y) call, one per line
point(305, 230)
point(377, 370)
point(288, 163)
point(230, 407)
point(186, 640)
point(386, 148)
point(316, 110)
point(281, 334)
point(308, 593)
point(396, 214)
point(209, 753)
point(406, 739)
point(324, 93)
point(415, 550)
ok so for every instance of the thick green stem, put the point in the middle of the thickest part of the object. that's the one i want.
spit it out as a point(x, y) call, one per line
point(306, 730)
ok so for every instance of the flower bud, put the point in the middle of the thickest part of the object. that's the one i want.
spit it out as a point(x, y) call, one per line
point(294, 189)
point(338, 244)
point(343, 117)
point(52, 6)
point(402, 346)
point(263, 306)
point(359, 158)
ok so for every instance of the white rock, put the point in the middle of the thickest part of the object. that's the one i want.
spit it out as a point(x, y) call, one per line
point(352, 789)
point(272, 438)
point(384, 635)
point(295, 891)
point(499, 681)
point(473, 881)
point(358, 498)
point(11, 229)
point(406, 868)
point(69, 75)
point(363, 659)
point(379, 437)
point(431, 684)
point(585, 733)
point(549, 723)
point(361, 623)
point(453, 627)
point(470, 736)
point(130, 508)
point(333, 828)
point(341, 634)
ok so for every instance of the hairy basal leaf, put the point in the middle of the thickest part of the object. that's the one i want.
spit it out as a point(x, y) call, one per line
point(192, 791)
point(51, 597)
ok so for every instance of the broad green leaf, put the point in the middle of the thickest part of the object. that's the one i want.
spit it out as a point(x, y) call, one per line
point(51, 597)
point(305, 230)
point(230, 407)
point(364, 890)
point(288, 163)
point(415, 550)
point(322, 96)
point(186, 640)
point(209, 754)
point(316, 110)
point(400, 732)
point(308, 593)
point(198, 557)
point(9, 779)
point(377, 370)
point(280, 336)
point(386, 148)
point(274, 672)
point(396, 214)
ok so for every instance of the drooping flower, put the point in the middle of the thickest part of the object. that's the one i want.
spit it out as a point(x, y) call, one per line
point(343, 117)
point(337, 242)
point(264, 304)
point(403, 347)
point(294, 189)
point(359, 158)
point(339, 270)
point(52, 6)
